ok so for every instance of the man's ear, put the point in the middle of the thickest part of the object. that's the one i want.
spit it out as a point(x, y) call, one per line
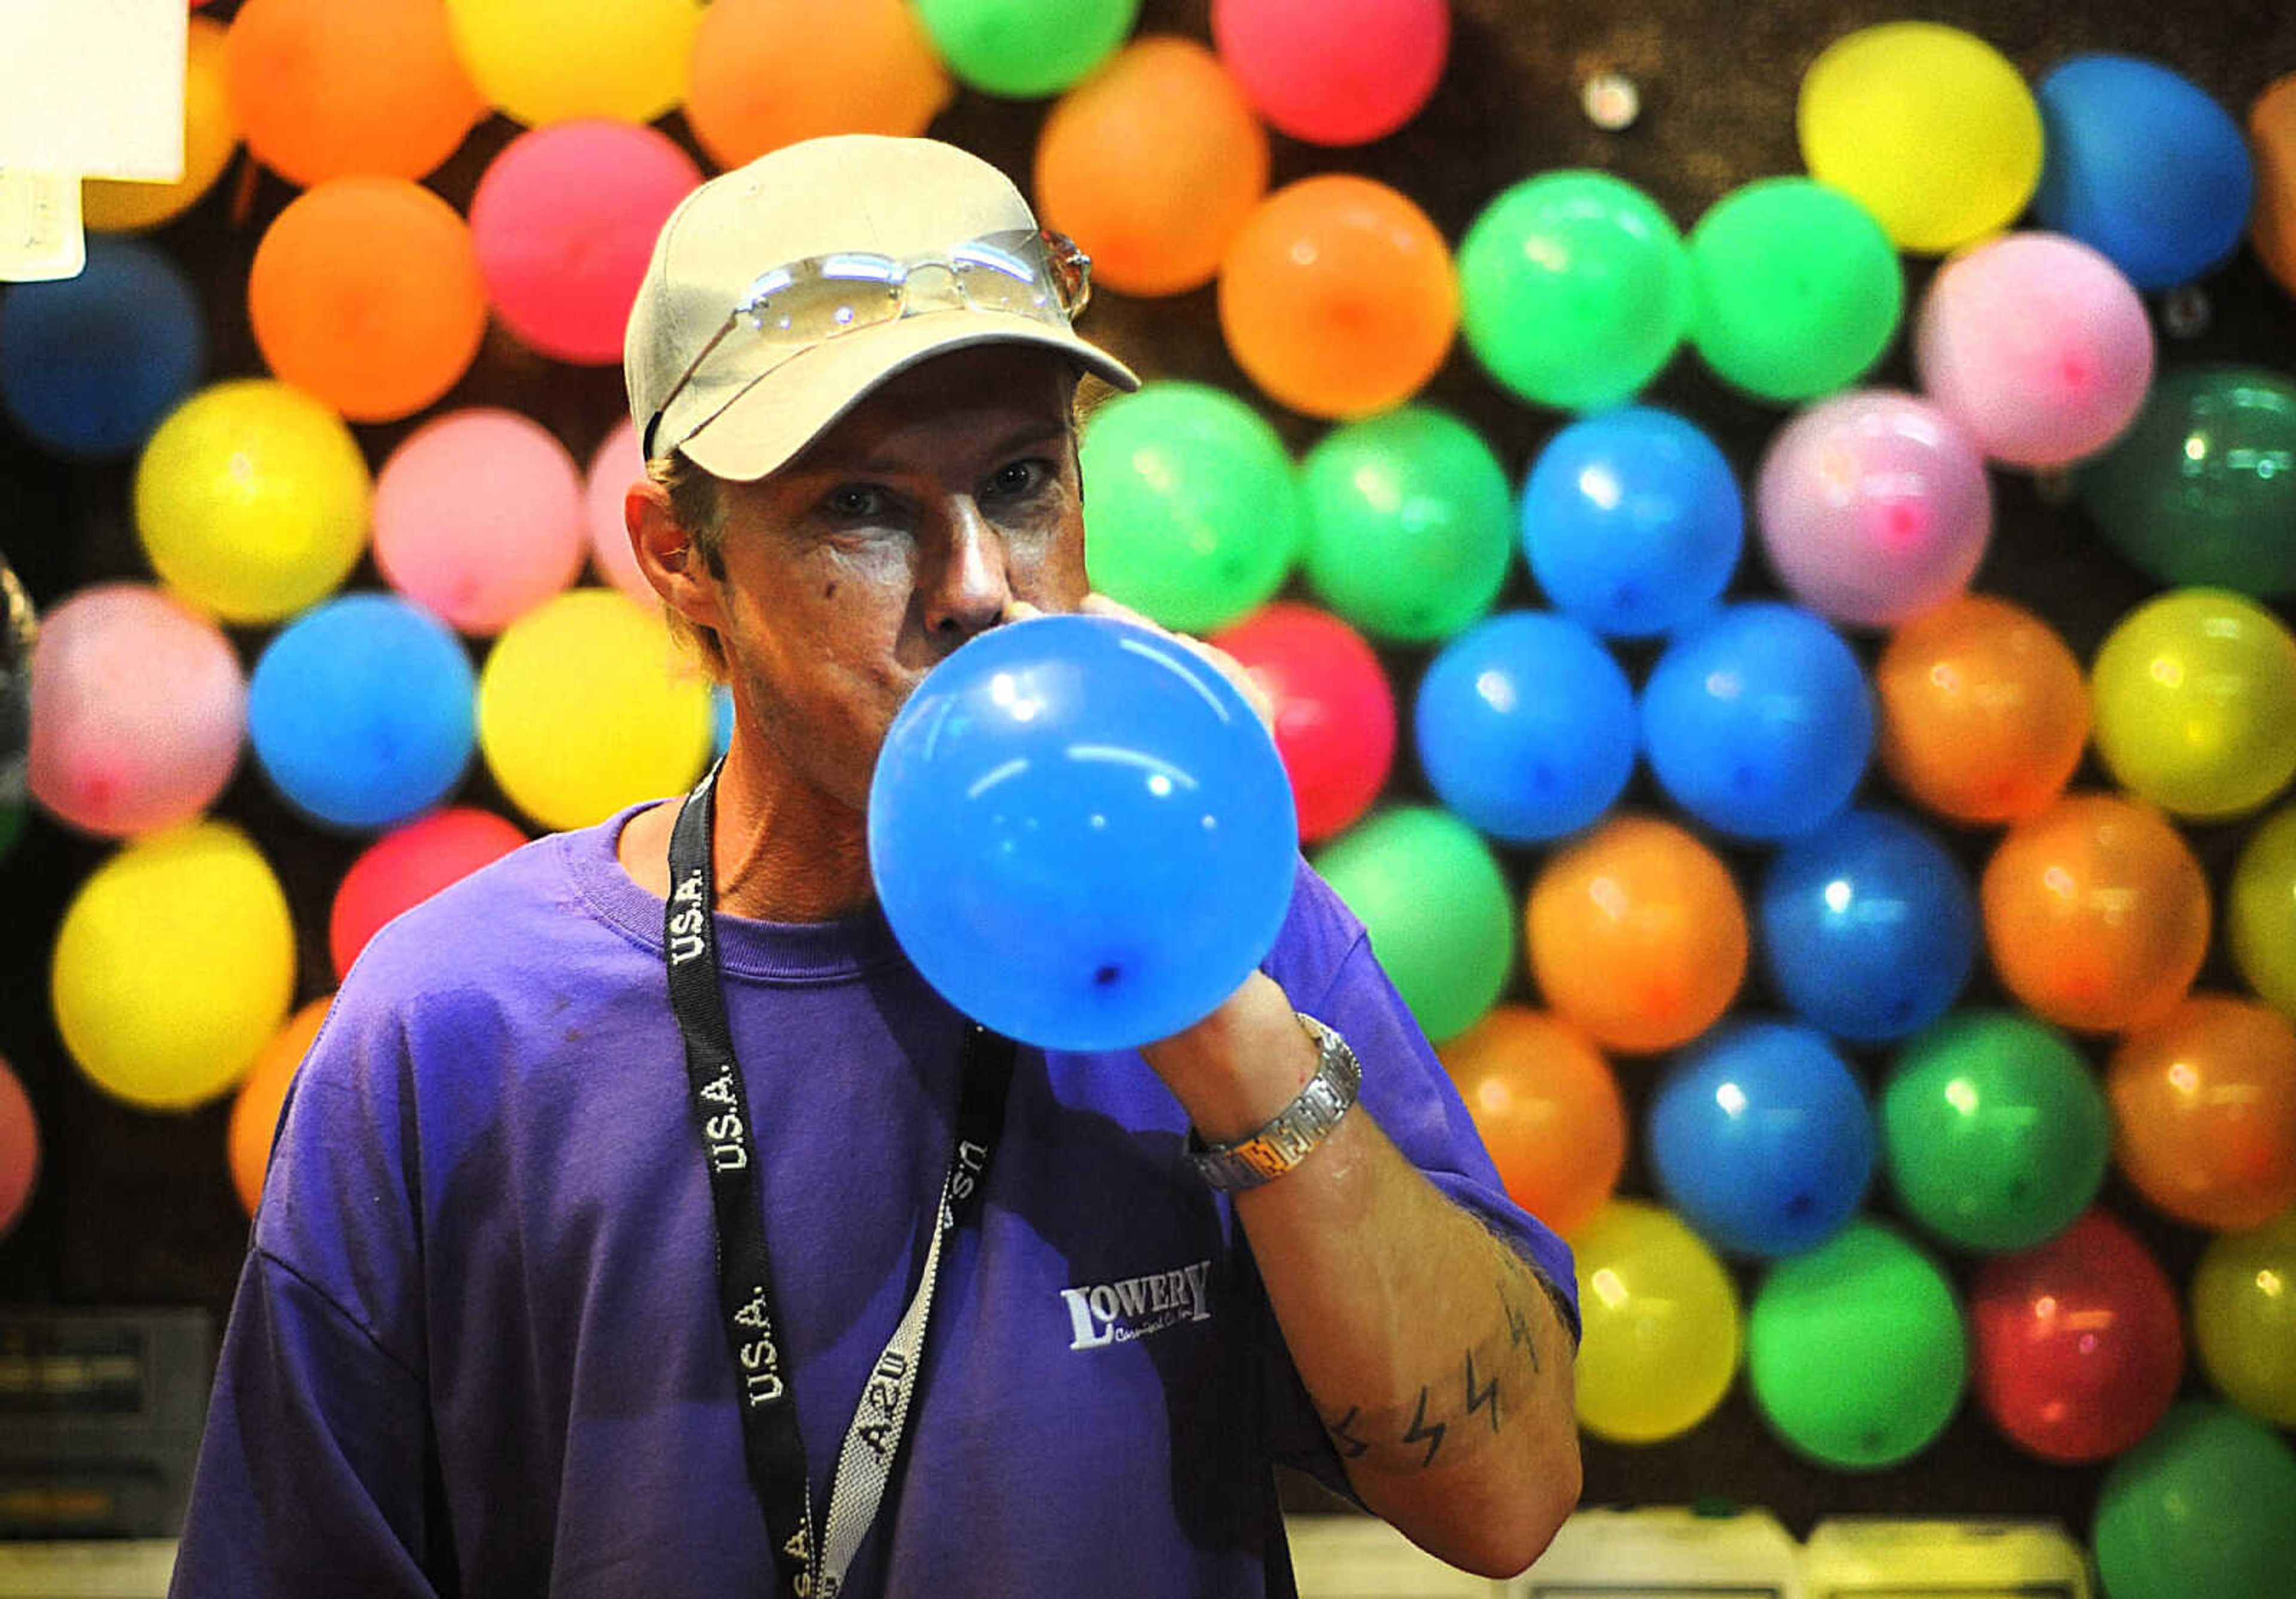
point(666, 554)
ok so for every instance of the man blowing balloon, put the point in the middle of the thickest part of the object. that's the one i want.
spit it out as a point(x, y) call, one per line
point(1035, 1322)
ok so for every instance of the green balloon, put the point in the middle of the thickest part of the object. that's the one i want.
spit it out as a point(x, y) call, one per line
point(1410, 524)
point(1993, 1130)
point(2201, 490)
point(2205, 1503)
point(1798, 289)
point(1192, 506)
point(1431, 895)
point(1025, 49)
point(1856, 1351)
point(1574, 290)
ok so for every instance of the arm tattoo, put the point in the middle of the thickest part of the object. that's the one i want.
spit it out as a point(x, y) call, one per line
point(1518, 1328)
point(1479, 1398)
point(1419, 1430)
point(1350, 1446)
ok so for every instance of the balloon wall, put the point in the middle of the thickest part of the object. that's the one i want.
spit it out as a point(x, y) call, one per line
point(1770, 537)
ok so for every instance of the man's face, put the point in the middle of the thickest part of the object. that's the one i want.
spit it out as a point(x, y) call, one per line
point(901, 532)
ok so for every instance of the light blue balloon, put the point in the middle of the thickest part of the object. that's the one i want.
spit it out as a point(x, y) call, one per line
point(721, 717)
point(90, 365)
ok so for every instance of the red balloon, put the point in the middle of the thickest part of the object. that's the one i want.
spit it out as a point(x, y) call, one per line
point(2078, 1346)
point(407, 866)
point(1334, 71)
point(1334, 711)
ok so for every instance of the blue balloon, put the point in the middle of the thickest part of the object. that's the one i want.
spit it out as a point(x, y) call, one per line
point(1632, 522)
point(90, 365)
point(1526, 726)
point(1868, 928)
point(1081, 833)
point(361, 711)
point(2143, 166)
point(721, 717)
point(1757, 721)
point(1761, 1138)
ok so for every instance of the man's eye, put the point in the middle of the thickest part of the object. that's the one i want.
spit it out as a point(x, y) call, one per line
point(1020, 477)
point(857, 502)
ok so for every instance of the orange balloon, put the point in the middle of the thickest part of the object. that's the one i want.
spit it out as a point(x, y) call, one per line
point(2096, 914)
point(254, 1112)
point(1984, 710)
point(1337, 297)
point(1152, 164)
point(326, 88)
point(210, 134)
point(864, 66)
point(1637, 933)
point(1548, 1109)
point(366, 293)
point(2204, 1111)
point(2272, 139)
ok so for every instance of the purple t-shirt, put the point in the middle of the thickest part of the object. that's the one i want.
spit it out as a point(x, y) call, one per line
point(476, 1345)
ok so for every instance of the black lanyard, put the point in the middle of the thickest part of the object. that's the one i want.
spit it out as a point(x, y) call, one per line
point(806, 1567)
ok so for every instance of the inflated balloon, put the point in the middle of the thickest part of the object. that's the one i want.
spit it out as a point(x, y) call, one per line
point(359, 712)
point(1984, 710)
point(366, 293)
point(2272, 135)
point(480, 516)
point(1798, 289)
point(1929, 129)
point(2196, 702)
point(1081, 833)
point(1993, 1131)
point(1869, 929)
point(2077, 1347)
point(1525, 726)
point(867, 67)
point(2243, 1301)
point(2206, 1504)
point(2204, 1111)
point(2096, 914)
point(1334, 710)
point(1336, 296)
point(406, 867)
point(1025, 49)
point(1662, 1324)
point(1632, 522)
point(326, 88)
point(721, 719)
point(614, 466)
point(174, 966)
point(584, 707)
point(1548, 1109)
point(1435, 902)
point(19, 1149)
point(2036, 346)
point(139, 710)
point(210, 136)
point(1410, 524)
point(1874, 507)
point(1757, 721)
point(543, 60)
point(262, 1093)
point(1152, 164)
point(2141, 164)
point(1761, 1138)
point(2260, 915)
point(89, 364)
point(1637, 934)
point(1854, 1351)
point(565, 220)
point(2198, 491)
point(1335, 71)
point(1195, 516)
point(1574, 290)
point(251, 500)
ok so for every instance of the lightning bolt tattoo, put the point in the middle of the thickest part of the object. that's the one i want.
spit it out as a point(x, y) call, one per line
point(1518, 1329)
point(1419, 1430)
point(1350, 1446)
point(1477, 1399)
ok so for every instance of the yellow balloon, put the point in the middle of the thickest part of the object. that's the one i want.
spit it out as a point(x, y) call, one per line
point(548, 60)
point(586, 705)
point(251, 500)
point(1930, 128)
point(2196, 702)
point(1662, 1324)
point(2244, 1300)
point(2260, 912)
point(210, 134)
point(173, 966)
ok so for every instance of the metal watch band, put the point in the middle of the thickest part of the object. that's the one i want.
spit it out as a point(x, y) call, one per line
point(1294, 1130)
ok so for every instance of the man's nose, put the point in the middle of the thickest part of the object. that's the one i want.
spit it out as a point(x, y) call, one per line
point(973, 585)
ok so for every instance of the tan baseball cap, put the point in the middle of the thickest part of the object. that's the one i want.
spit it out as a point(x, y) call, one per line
point(782, 292)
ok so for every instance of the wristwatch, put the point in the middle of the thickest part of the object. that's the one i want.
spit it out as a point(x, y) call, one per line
point(1296, 1129)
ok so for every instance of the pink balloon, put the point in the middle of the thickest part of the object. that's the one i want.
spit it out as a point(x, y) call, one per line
point(1334, 71)
point(613, 467)
point(1872, 506)
point(19, 1149)
point(479, 516)
point(2037, 345)
point(564, 221)
point(139, 710)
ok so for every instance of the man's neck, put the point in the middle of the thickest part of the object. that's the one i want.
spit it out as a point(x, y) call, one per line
point(783, 850)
